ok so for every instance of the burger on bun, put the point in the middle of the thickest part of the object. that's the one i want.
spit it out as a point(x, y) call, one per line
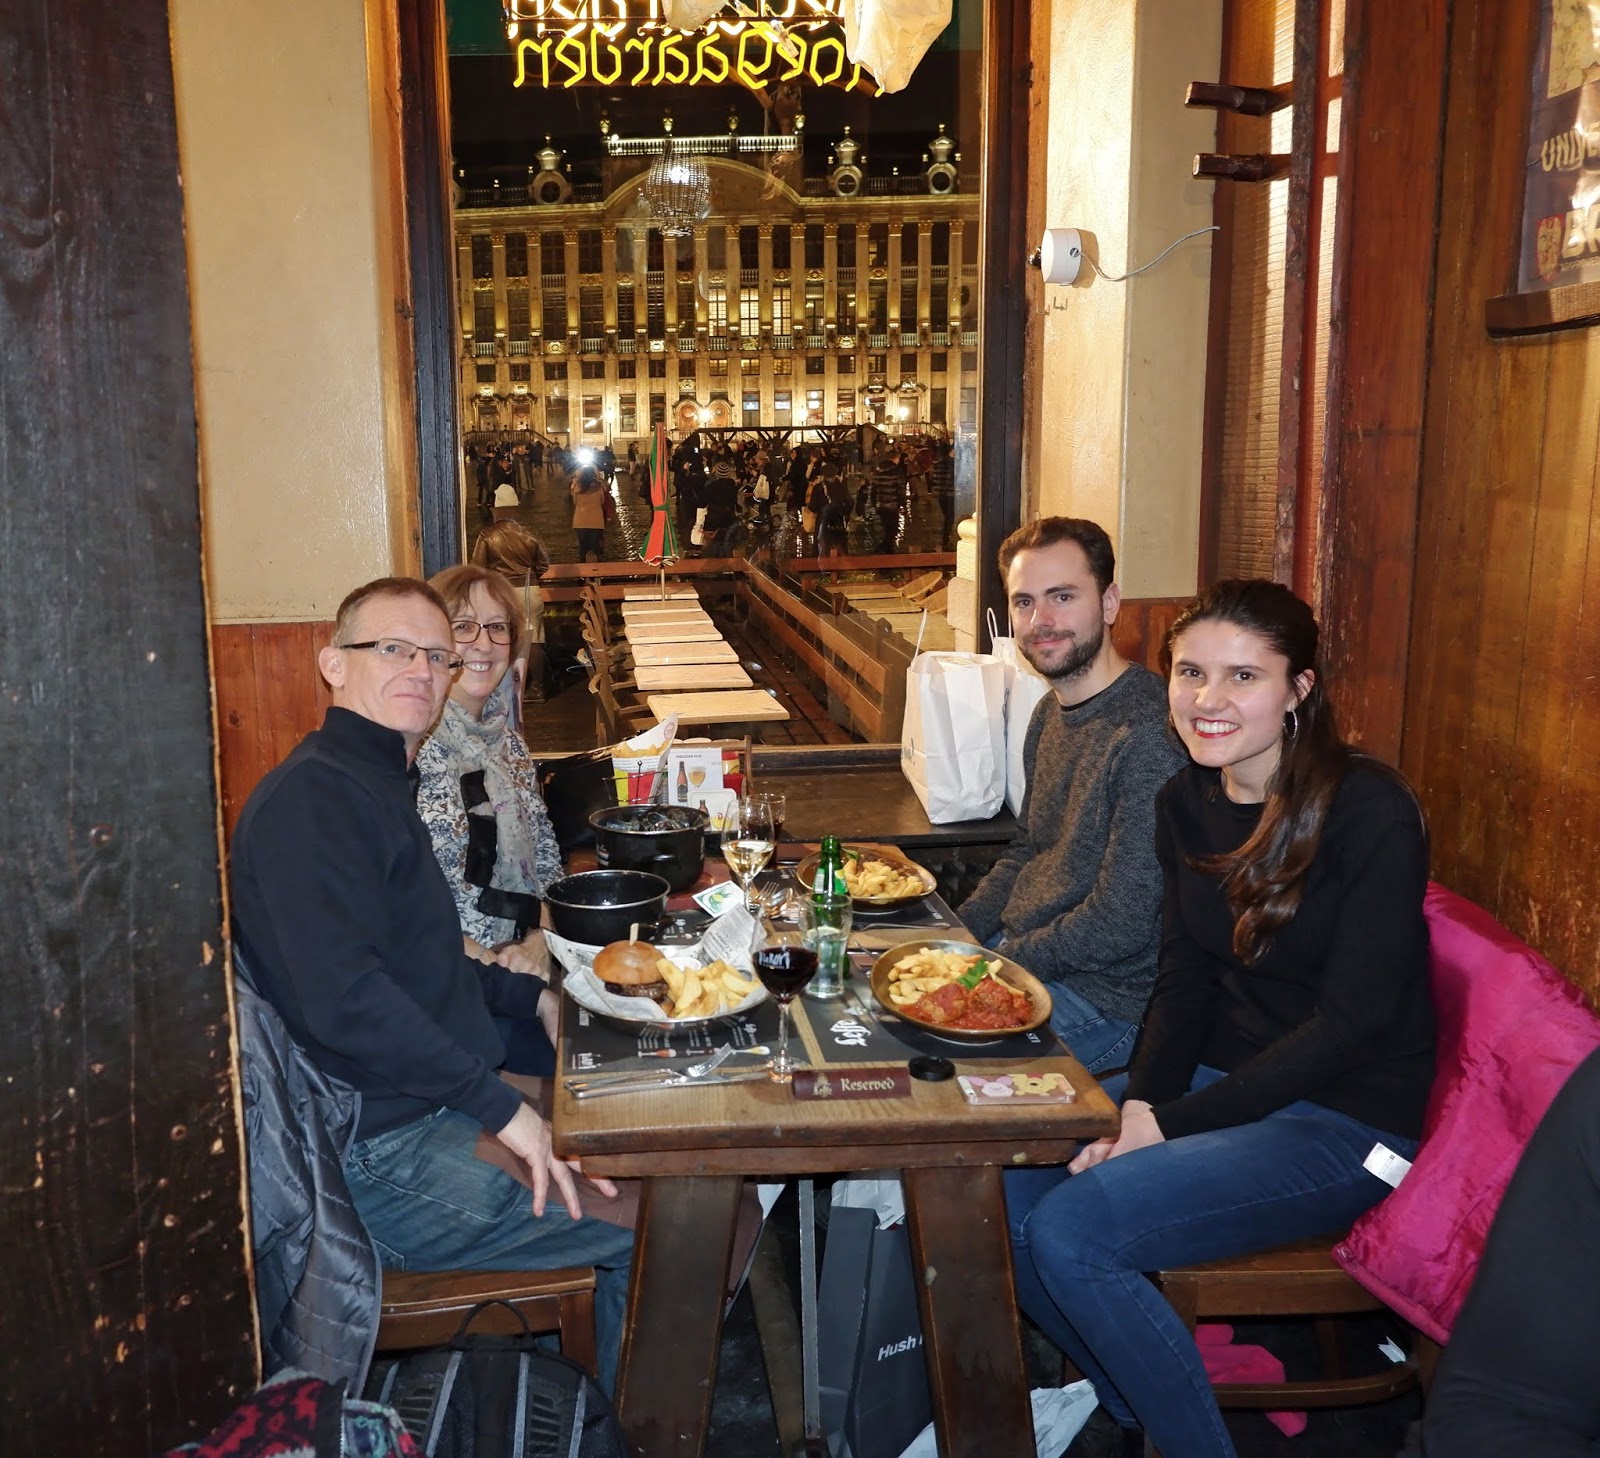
point(630, 969)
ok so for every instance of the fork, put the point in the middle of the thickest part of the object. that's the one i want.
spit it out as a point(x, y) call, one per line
point(651, 1077)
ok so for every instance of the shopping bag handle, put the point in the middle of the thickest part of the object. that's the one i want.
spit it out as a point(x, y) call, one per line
point(994, 628)
point(921, 629)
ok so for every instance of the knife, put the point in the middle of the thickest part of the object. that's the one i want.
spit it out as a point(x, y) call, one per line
point(594, 1091)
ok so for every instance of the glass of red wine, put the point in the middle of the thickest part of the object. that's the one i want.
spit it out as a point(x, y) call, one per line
point(784, 969)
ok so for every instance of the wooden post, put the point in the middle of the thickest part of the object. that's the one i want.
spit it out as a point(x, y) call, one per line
point(123, 1223)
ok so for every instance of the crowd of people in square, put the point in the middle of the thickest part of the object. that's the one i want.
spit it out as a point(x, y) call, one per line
point(1224, 898)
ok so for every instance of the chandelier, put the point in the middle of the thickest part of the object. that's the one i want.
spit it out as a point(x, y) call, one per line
point(677, 193)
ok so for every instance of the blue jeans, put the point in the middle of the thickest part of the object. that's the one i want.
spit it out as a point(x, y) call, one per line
point(1097, 1039)
point(430, 1205)
point(1082, 1244)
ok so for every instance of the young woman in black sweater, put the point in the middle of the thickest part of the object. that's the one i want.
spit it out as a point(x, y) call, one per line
point(1289, 1033)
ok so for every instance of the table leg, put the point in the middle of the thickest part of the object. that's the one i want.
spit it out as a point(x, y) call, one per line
point(670, 1337)
point(961, 1252)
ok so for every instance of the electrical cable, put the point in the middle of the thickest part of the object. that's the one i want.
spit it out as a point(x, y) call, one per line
point(1124, 277)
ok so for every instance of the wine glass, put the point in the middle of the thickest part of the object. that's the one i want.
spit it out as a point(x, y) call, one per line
point(775, 804)
point(748, 843)
point(784, 969)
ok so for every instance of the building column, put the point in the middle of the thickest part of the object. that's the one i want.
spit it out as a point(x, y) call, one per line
point(924, 273)
point(608, 280)
point(764, 274)
point(830, 281)
point(894, 283)
point(569, 238)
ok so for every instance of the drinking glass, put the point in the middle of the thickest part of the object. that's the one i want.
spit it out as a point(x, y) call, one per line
point(775, 805)
point(748, 843)
point(825, 929)
point(784, 969)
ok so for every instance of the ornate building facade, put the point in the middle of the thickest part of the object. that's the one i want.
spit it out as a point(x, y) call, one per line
point(589, 311)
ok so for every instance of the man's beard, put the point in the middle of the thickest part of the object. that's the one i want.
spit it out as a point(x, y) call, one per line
point(1083, 653)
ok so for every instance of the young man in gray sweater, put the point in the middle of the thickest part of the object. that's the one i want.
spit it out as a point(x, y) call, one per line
point(1076, 898)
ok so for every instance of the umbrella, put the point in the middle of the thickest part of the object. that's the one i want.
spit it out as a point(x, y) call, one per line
point(661, 546)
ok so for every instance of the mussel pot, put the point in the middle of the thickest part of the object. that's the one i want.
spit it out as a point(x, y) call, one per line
point(598, 907)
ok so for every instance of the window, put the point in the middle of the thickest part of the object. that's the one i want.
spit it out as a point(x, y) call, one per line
point(752, 408)
point(717, 308)
point(628, 413)
point(654, 251)
point(519, 321)
point(483, 314)
point(908, 245)
point(877, 364)
point(658, 368)
point(939, 309)
point(719, 370)
point(717, 247)
point(848, 323)
point(780, 309)
point(783, 365)
point(553, 314)
point(939, 361)
point(750, 311)
point(814, 407)
point(482, 256)
point(552, 253)
point(554, 371)
point(627, 368)
point(847, 245)
point(592, 369)
point(969, 407)
point(749, 364)
point(816, 365)
point(782, 240)
point(969, 360)
point(658, 409)
point(485, 373)
point(969, 245)
point(814, 243)
point(780, 408)
point(936, 404)
point(844, 411)
point(516, 255)
point(846, 364)
point(522, 373)
point(908, 301)
point(593, 420)
point(655, 312)
point(814, 312)
point(591, 312)
point(878, 306)
point(625, 324)
point(908, 364)
point(686, 307)
point(591, 250)
point(749, 247)
point(555, 414)
point(877, 245)
point(939, 246)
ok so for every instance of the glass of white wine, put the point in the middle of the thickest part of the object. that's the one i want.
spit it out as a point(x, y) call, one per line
point(748, 843)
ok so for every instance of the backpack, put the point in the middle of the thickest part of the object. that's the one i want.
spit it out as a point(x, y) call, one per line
point(497, 1397)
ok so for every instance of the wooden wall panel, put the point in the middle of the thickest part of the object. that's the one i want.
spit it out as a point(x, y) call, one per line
point(1502, 712)
point(128, 1325)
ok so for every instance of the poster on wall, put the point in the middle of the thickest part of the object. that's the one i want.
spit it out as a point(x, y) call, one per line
point(1561, 197)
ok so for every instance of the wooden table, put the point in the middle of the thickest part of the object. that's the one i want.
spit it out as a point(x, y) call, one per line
point(665, 677)
point(692, 1148)
point(668, 655)
point(672, 633)
point(651, 591)
point(654, 614)
point(732, 706)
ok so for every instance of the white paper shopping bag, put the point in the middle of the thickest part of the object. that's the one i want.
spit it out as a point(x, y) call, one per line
point(953, 743)
point(1025, 686)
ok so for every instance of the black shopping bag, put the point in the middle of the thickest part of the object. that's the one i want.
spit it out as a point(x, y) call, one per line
point(574, 787)
point(870, 1361)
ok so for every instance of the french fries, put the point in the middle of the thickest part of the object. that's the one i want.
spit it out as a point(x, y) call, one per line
point(703, 992)
point(927, 971)
point(867, 879)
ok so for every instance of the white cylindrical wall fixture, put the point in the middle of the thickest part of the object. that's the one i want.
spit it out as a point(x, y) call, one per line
point(1060, 255)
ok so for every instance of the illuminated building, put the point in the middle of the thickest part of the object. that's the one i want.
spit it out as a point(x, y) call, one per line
point(708, 280)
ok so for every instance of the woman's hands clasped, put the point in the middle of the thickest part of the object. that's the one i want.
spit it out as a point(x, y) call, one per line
point(1139, 1131)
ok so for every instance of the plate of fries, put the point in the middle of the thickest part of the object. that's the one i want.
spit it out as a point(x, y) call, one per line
point(907, 972)
point(702, 990)
point(876, 879)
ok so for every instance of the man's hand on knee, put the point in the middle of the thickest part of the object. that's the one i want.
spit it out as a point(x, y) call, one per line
point(528, 1137)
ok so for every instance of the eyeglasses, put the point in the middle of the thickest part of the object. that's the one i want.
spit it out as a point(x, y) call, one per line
point(398, 651)
point(466, 630)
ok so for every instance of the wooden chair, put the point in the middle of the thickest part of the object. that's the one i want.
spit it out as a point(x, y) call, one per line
point(426, 1308)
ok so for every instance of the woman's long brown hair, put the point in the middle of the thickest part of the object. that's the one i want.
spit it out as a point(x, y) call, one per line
point(1265, 878)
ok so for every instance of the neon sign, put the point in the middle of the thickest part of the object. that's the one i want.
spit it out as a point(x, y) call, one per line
point(629, 42)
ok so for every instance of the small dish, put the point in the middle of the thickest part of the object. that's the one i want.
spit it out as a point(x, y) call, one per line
point(806, 872)
point(1007, 970)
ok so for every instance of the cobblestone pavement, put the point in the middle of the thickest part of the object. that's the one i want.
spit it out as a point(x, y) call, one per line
point(547, 510)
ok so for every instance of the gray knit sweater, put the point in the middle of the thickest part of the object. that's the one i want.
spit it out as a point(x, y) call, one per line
point(1078, 892)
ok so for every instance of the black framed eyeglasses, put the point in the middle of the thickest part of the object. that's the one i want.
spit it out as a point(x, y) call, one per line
point(400, 650)
point(466, 630)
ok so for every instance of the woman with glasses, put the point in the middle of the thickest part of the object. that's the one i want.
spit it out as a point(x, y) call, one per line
point(479, 795)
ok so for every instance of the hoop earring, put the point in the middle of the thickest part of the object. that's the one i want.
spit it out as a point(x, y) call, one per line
point(1292, 728)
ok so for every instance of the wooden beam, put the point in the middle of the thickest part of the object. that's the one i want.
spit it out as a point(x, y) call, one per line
point(1392, 131)
point(123, 1220)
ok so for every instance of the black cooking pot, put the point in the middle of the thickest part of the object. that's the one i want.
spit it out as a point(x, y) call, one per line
point(598, 907)
point(667, 840)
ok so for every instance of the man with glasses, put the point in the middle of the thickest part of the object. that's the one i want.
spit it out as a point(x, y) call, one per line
point(348, 928)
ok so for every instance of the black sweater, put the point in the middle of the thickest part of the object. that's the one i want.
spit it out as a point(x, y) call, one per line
point(349, 929)
point(1337, 1010)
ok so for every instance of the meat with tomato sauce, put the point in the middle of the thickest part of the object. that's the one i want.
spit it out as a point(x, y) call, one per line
point(990, 1006)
